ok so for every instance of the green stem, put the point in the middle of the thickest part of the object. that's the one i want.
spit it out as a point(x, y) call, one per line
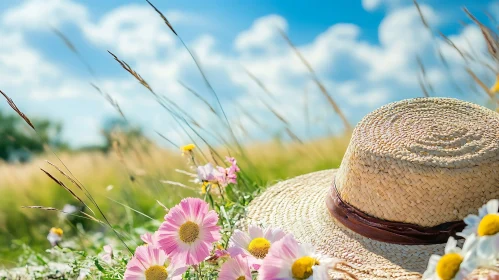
point(200, 273)
point(221, 193)
point(193, 159)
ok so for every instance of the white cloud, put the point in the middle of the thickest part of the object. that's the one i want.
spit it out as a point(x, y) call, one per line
point(360, 75)
point(404, 30)
point(470, 41)
point(336, 42)
point(21, 64)
point(132, 31)
point(36, 14)
point(381, 73)
point(262, 34)
point(371, 5)
point(402, 37)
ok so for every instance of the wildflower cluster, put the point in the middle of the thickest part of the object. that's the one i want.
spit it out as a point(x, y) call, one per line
point(214, 180)
point(480, 248)
point(190, 238)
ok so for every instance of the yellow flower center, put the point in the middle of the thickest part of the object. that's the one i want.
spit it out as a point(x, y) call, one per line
point(57, 231)
point(448, 266)
point(259, 247)
point(302, 267)
point(206, 184)
point(156, 272)
point(489, 225)
point(189, 232)
point(241, 278)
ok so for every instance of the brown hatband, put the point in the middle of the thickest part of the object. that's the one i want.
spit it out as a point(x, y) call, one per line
point(386, 231)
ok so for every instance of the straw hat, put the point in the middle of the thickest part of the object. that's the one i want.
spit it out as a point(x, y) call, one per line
point(417, 166)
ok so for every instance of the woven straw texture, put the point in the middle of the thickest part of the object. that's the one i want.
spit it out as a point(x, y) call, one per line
point(421, 161)
point(298, 206)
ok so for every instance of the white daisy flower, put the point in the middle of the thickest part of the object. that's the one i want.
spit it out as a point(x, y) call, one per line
point(255, 244)
point(472, 221)
point(290, 260)
point(55, 236)
point(455, 264)
point(485, 227)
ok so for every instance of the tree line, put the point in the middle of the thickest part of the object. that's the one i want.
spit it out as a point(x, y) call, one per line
point(18, 142)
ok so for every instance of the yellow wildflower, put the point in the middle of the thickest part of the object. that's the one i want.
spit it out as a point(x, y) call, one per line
point(495, 87)
point(206, 184)
point(57, 231)
point(187, 148)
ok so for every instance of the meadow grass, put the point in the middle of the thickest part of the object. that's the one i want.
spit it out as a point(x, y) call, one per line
point(24, 185)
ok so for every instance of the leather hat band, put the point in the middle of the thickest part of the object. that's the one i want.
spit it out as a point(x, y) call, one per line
point(386, 231)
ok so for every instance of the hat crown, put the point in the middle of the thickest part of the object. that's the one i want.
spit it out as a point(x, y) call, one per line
point(424, 161)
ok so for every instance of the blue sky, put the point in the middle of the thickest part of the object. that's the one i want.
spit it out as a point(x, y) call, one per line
point(363, 51)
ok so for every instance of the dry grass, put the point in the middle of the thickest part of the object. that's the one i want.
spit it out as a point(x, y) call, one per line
point(136, 176)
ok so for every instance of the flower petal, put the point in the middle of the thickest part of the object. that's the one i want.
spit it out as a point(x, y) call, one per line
point(469, 244)
point(493, 206)
point(240, 239)
point(432, 264)
point(451, 245)
point(485, 248)
point(235, 268)
point(255, 231)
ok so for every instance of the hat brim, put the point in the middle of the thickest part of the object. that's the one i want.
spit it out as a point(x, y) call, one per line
point(298, 206)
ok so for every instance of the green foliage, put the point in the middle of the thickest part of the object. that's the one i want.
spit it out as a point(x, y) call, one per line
point(20, 139)
point(81, 254)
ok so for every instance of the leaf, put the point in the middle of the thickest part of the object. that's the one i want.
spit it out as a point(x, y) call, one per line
point(224, 214)
point(38, 257)
point(229, 190)
point(210, 198)
point(99, 267)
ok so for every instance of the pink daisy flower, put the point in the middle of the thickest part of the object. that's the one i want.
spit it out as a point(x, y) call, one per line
point(228, 175)
point(289, 260)
point(188, 232)
point(235, 269)
point(254, 245)
point(150, 238)
point(150, 263)
point(233, 163)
